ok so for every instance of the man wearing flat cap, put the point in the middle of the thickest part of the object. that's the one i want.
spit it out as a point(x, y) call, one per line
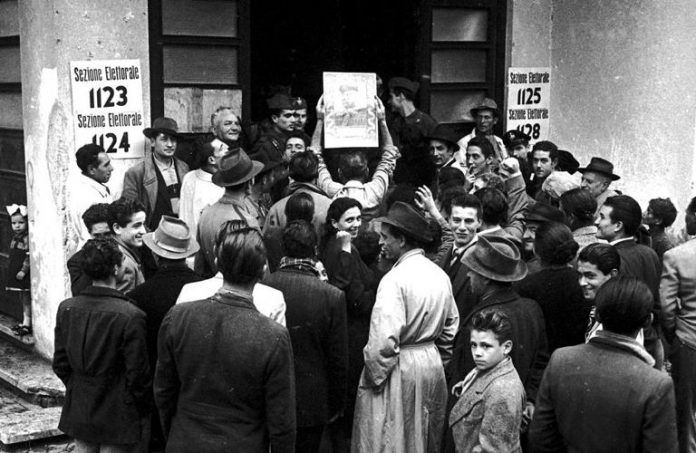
point(171, 243)
point(236, 173)
point(486, 116)
point(412, 328)
point(597, 177)
point(156, 181)
point(409, 129)
point(494, 263)
point(271, 144)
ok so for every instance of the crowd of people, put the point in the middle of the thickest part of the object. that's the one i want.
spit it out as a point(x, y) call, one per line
point(437, 294)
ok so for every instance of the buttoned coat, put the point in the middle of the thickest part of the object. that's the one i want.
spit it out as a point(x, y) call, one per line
point(488, 415)
point(225, 380)
point(604, 396)
point(140, 182)
point(316, 320)
point(101, 356)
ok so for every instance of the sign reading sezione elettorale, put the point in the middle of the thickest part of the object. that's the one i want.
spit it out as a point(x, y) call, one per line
point(529, 92)
point(107, 97)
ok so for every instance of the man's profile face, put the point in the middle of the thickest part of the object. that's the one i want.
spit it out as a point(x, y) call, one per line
point(391, 245)
point(100, 230)
point(228, 127)
point(395, 101)
point(595, 183)
point(300, 119)
point(542, 164)
point(464, 221)
point(529, 236)
point(285, 121)
point(476, 161)
point(606, 228)
point(485, 121)
point(102, 172)
point(164, 145)
point(132, 233)
point(440, 152)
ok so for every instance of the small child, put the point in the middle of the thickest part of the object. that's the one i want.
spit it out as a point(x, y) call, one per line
point(18, 266)
point(488, 415)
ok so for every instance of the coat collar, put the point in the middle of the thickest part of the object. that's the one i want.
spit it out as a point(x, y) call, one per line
point(496, 297)
point(102, 291)
point(295, 187)
point(234, 298)
point(623, 342)
point(408, 255)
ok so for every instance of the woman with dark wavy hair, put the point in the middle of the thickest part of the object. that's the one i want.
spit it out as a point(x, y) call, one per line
point(555, 287)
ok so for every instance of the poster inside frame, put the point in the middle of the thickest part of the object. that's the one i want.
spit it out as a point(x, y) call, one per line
point(107, 104)
point(351, 120)
point(529, 99)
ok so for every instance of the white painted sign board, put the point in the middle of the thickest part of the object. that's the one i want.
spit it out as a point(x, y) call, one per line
point(529, 95)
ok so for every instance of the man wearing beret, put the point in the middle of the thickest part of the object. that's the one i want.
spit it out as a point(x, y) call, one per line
point(409, 129)
point(270, 147)
point(156, 181)
point(486, 116)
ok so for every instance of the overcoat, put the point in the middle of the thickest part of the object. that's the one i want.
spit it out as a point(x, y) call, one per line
point(101, 356)
point(225, 380)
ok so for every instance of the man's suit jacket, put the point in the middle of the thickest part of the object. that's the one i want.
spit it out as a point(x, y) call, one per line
point(140, 182)
point(678, 293)
point(604, 396)
point(461, 287)
point(316, 320)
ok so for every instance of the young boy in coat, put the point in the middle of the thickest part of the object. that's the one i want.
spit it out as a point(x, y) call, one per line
point(488, 415)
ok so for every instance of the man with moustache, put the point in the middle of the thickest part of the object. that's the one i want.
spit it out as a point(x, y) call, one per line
point(156, 181)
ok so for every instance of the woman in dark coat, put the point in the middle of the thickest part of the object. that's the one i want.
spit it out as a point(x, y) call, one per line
point(348, 272)
point(225, 379)
point(555, 287)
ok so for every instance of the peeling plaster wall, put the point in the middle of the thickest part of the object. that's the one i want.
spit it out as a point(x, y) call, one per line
point(53, 33)
point(623, 73)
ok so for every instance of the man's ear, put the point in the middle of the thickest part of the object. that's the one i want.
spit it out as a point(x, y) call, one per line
point(507, 347)
point(274, 118)
point(614, 272)
point(212, 160)
point(116, 228)
point(618, 226)
point(554, 164)
point(152, 142)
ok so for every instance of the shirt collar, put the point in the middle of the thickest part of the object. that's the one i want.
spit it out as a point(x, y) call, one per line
point(99, 187)
point(491, 230)
point(407, 255)
point(618, 241)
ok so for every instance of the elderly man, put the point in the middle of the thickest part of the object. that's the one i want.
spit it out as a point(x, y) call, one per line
point(89, 188)
point(270, 146)
point(156, 181)
point(604, 396)
point(596, 179)
point(226, 128)
point(678, 294)
point(402, 392)
point(486, 116)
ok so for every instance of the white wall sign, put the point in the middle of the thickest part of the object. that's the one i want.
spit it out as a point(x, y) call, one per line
point(529, 94)
point(107, 97)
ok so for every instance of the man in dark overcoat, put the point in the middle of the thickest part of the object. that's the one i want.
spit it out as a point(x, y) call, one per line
point(316, 320)
point(101, 356)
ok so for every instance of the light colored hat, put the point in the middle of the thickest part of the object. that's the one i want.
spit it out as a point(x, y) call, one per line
point(172, 239)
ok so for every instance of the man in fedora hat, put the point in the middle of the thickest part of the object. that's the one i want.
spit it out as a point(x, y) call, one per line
point(597, 177)
point(412, 328)
point(156, 181)
point(443, 148)
point(494, 263)
point(171, 243)
point(486, 116)
point(236, 173)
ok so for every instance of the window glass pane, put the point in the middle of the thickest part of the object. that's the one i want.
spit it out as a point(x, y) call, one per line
point(12, 152)
point(11, 110)
point(10, 71)
point(453, 106)
point(192, 107)
point(199, 18)
point(451, 24)
point(196, 64)
point(9, 18)
point(458, 66)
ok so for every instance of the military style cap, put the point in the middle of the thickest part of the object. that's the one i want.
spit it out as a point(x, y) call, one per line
point(299, 103)
point(403, 83)
point(280, 102)
point(514, 137)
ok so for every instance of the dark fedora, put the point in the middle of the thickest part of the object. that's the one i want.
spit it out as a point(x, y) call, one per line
point(162, 125)
point(486, 104)
point(603, 166)
point(236, 168)
point(445, 134)
point(496, 258)
point(543, 212)
point(404, 217)
point(172, 239)
point(404, 84)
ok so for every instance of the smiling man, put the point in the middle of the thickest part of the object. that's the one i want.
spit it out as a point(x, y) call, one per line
point(127, 222)
point(156, 181)
point(486, 116)
point(226, 127)
point(480, 157)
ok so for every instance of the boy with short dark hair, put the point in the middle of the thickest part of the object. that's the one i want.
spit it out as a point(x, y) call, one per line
point(127, 219)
